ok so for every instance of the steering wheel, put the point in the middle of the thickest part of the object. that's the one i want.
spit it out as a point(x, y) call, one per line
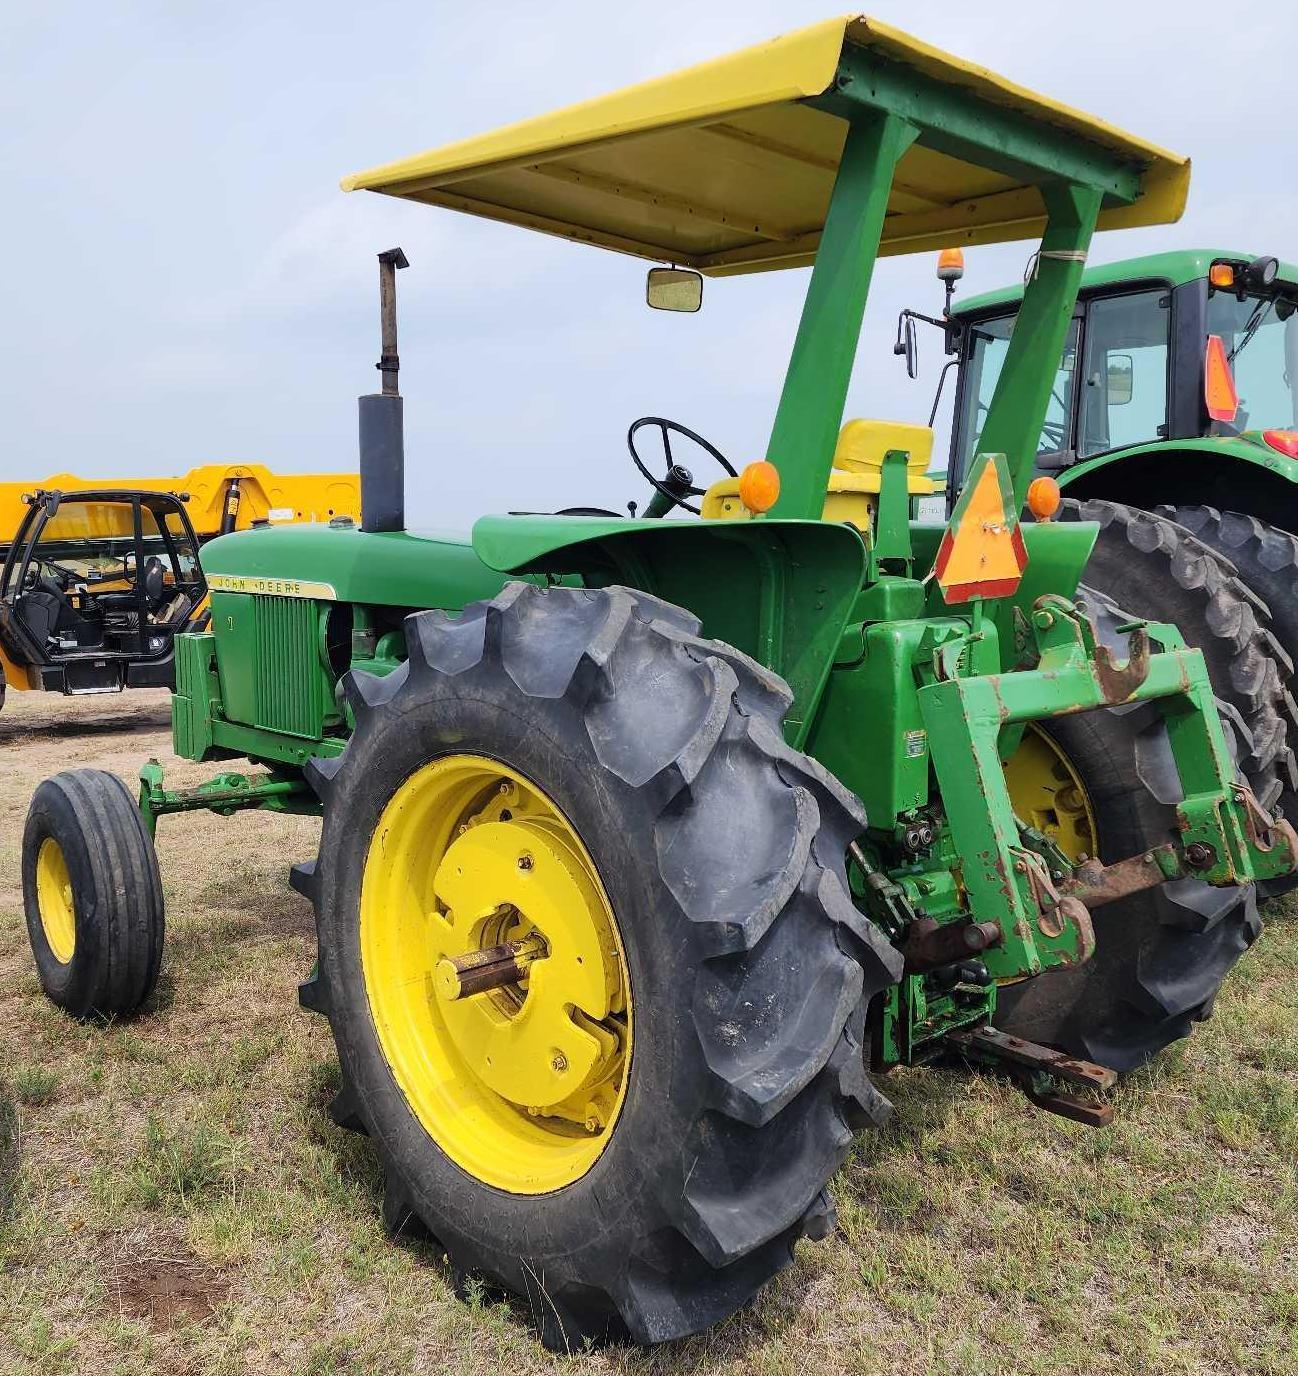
point(678, 483)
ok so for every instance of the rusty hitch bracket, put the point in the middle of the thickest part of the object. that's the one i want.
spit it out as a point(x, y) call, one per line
point(1046, 1076)
point(1222, 836)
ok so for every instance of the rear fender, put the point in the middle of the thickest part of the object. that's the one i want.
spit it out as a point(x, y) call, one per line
point(781, 591)
point(1233, 473)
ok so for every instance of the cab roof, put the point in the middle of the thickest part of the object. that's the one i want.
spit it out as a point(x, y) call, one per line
point(728, 166)
point(1175, 267)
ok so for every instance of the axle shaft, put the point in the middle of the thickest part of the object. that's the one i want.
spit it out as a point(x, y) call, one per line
point(474, 972)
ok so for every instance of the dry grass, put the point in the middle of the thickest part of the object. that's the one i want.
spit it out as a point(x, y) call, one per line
point(183, 1204)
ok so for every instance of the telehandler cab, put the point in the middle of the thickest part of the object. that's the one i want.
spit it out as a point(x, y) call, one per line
point(645, 841)
point(98, 578)
point(94, 588)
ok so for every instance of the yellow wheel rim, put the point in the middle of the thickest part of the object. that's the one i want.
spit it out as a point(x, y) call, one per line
point(520, 1084)
point(54, 900)
point(1047, 793)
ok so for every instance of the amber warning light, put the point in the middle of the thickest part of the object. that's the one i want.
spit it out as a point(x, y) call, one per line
point(759, 486)
point(950, 265)
point(1043, 498)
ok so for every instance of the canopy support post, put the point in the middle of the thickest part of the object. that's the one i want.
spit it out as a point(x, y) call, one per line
point(1022, 396)
point(820, 368)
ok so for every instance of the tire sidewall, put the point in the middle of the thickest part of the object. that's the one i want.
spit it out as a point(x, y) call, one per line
point(51, 816)
point(544, 740)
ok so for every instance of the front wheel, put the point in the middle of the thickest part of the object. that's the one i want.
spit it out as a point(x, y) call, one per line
point(589, 958)
point(93, 895)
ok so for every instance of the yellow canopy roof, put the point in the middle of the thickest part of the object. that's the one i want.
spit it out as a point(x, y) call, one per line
point(725, 167)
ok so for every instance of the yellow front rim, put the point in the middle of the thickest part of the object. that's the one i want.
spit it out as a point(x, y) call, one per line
point(521, 1085)
point(54, 900)
point(1048, 793)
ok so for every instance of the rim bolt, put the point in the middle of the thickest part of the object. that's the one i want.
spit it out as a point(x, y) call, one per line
point(533, 1111)
point(525, 862)
point(592, 1124)
point(559, 1063)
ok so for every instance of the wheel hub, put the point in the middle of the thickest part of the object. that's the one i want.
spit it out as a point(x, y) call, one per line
point(1048, 794)
point(495, 974)
point(54, 899)
point(535, 1042)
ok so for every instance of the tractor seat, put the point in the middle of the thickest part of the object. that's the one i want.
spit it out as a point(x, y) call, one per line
point(856, 476)
point(51, 619)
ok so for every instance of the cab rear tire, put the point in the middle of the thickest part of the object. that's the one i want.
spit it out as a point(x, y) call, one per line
point(92, 895)
point(1266, 560)
point(719, 854)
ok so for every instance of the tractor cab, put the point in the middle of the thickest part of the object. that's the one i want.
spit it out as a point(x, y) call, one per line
point(1186, 358)
point(95, 587)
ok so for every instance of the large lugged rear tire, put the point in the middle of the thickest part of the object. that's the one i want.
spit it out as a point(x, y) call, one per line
point(1162, 954)
point(1266, 560)
point(93, 895)
point(1154, 568)
point(715, 854)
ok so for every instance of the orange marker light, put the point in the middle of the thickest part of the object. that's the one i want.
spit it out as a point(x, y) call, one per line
point(1284, 441)
point(1219, 394)
point(1043, 498)
point(950, 265)
point(759, 486)
point(1221, 275)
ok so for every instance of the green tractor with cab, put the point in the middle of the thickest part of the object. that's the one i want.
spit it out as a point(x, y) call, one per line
point(648, 842)
point(1172, 424)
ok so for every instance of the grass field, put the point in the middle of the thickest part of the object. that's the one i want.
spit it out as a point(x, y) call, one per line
point(175, 1199)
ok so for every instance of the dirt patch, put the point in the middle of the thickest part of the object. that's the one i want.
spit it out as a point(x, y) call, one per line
point(155, 1276)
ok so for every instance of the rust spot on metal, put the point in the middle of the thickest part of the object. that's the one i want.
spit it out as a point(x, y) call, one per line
point(1094, 883)
point(1119, 681)
point(930, 945)
point(1264, 831)
point(1026, 1060)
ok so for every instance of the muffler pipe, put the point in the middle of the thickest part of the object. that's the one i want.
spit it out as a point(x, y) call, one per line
point(382, 429)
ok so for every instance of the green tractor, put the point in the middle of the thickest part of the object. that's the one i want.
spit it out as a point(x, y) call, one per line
point(646, 842)
point(1173, 423)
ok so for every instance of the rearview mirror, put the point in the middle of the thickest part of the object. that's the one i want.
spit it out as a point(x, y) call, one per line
point(1120, 383)
point(907, 344)
point(674, 289)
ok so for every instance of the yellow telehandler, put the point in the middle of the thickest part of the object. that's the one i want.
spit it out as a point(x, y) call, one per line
point(99, 577)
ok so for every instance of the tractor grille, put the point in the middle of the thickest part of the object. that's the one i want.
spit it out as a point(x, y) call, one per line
point(289, 689)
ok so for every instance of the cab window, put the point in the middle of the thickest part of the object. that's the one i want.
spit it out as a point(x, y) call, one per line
point(1124, 393)
point(990, 342)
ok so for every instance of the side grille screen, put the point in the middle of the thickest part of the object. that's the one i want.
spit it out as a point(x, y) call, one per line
point(289, 688)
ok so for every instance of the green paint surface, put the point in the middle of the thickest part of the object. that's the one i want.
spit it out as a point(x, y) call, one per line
point(1175, 268)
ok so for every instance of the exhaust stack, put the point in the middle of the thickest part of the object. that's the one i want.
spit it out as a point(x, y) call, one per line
point(382, 434)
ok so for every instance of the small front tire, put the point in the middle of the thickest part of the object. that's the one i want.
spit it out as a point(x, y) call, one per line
point(93, 895)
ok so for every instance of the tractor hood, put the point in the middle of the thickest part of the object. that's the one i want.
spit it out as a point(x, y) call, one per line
point(728, 166)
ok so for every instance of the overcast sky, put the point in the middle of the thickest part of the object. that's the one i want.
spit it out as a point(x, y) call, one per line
point(184, 282)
